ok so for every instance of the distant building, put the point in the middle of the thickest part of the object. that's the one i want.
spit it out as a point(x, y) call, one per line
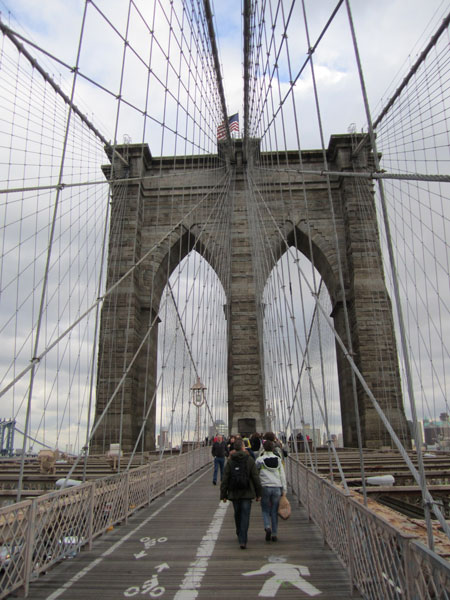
point(308, 431)
point(163, 438)
point(420, 428)
point(437, 433)
point(7, 429)
point(338, 439)
point(219, 428)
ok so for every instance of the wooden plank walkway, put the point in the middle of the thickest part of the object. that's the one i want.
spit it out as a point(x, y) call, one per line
point(183, 546)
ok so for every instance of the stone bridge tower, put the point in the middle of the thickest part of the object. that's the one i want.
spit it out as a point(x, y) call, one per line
point(136, 238)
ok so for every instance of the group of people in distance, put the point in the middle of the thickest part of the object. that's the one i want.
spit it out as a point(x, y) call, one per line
point(254, 470)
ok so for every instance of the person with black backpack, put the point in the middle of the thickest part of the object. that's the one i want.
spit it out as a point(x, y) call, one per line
point(241, 484)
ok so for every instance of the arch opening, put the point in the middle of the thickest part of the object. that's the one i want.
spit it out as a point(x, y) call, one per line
point(192, 346)
point(300, 367)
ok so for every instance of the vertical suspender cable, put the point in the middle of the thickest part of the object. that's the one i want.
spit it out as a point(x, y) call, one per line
point(47, 265)
point(396, 287)
point(119, 99)
point(215, 53)
point(94, 346)
point(341, 277)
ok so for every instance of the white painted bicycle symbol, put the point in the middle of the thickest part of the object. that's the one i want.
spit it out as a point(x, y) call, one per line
point(149, 542)
point(150, 587)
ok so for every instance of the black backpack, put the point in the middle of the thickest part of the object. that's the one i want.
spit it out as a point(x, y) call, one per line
point(239, 478)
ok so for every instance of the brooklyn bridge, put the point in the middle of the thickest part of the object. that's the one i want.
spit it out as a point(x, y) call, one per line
point(209, 226)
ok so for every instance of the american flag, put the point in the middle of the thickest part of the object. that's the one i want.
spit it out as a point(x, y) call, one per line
point(233, 123)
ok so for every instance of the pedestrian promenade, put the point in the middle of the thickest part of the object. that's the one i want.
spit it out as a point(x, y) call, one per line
point(183, 546)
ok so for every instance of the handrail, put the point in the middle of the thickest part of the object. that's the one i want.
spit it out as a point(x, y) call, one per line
point(383, 562)
point(35, 534)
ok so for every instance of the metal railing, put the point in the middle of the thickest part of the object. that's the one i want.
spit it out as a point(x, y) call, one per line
point(36, 534)
point(383, 562)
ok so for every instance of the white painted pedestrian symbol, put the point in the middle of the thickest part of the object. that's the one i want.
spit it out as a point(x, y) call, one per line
point(283, 573)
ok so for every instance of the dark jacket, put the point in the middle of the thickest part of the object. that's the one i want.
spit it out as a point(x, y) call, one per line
point(255, 443)
point(254, 488)
point(219, 449)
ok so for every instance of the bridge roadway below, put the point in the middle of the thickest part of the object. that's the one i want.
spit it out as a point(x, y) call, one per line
point(183, 546)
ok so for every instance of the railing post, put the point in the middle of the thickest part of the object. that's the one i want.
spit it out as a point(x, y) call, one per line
point(322, 511)
point(149, 483)
point(307, 495)
point(348, 529)
point(127, 495)
point(29, 549)
point(164, 461)
point(90, 531)
point(408, 570)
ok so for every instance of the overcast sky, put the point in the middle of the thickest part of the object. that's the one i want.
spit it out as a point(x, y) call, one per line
point(390, 34)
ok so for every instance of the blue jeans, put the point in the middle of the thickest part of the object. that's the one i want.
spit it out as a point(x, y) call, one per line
point(270, 500)
point(242, 510)
point(218, 463)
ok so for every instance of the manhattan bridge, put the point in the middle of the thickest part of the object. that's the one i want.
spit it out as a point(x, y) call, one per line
point(187, 252)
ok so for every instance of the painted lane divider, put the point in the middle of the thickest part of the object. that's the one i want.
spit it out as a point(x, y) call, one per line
point(193, 577)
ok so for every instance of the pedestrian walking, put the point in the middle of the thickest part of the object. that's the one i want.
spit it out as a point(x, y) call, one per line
point(219, 450)
point(277, 445)
point(230, 444)
point(273, 481)
point(256, 444)
point(241, 485)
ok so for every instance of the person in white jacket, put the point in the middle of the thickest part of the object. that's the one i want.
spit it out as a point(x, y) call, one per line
point(273, 481)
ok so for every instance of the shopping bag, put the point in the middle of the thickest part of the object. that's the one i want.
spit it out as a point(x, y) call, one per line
point(284, 508)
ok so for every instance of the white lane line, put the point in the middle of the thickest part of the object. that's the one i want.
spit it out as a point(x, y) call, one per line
point(57, 593)
point(197, 569)
point(74, 579)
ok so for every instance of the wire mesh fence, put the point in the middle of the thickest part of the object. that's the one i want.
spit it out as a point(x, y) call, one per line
point(36, 534)
point(383, 562)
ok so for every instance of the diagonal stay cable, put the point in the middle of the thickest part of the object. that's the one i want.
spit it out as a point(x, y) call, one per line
point(215, 53)
point(119, 385)
point(187, 341)
point(36, 359)
point(303, 67)
point(305, 350)
point(12, 35)
point(429, 499)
